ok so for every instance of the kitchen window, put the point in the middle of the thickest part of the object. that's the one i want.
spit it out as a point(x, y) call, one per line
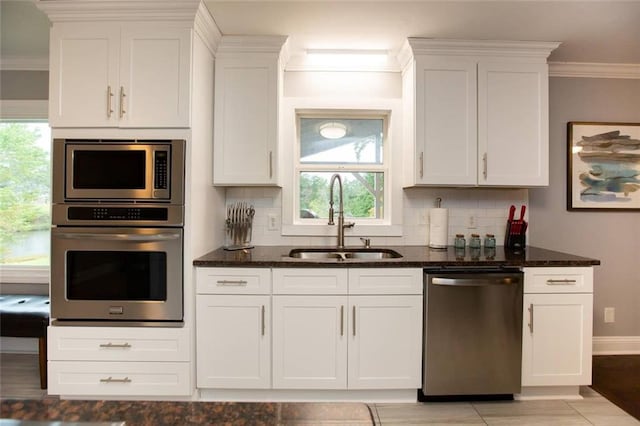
point(351, 146)
point(354, 143)
point(25, 205)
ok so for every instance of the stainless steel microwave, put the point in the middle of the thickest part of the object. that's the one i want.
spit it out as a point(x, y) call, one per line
point(118, 170)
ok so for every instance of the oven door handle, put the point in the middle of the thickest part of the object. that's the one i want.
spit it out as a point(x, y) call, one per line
point(121, 237)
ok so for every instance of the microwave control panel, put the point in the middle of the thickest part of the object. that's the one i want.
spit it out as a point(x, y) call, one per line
point(118, 213)
point(161, 170)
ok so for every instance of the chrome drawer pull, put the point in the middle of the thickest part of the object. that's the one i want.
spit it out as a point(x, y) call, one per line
point(116, 345)
point(112, 380)
point(232, 282)
point(531, 318)
point(561, 282)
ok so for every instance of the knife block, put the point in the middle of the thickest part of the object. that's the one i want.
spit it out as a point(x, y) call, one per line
point(515, 236)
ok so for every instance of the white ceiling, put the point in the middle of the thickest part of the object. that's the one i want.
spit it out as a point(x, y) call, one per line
point(590, 31)
point(598, 31)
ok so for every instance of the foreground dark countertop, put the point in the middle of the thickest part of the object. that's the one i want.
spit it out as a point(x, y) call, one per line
point(412, 257)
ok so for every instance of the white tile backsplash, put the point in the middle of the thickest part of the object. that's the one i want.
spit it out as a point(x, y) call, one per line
point(489, 206)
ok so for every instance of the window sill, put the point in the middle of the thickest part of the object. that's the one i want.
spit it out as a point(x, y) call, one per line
point(330, 231)
point(24, 274)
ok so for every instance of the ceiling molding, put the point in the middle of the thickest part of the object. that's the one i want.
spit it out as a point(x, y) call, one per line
point(524, 49)
point(251, 44)
point(120, 10)
point(594, 70)
point(206, 28)
point(24, 63)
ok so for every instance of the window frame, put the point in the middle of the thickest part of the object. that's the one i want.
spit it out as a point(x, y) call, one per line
point(291, 109)
point(24, 110)
point(341, 168)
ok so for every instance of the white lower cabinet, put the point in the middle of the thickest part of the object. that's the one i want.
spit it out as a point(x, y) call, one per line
point(309, 342)
point(233, 341)
point(385, 342)
point(118, 361)
point(347, 341)
point(557, 327)
point(233, 328)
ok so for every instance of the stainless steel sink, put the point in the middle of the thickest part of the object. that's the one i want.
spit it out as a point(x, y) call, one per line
point(344, 254)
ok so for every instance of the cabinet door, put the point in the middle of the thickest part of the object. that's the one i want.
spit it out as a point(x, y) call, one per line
point(155, 70)
point(385, 342)
point(84, 75)
point(309, 342)
point(446, 136)
point(513, 134)
point(557, 342)
point(233, 335)
point(245, 121)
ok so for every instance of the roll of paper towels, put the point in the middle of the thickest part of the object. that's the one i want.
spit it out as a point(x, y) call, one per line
point(438, 227)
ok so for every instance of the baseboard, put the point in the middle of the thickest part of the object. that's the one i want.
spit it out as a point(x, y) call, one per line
point(616, 345)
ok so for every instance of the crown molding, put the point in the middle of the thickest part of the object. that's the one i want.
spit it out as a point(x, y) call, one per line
point(594, 70)
point(24, 63)
point(206, 28)
point(119, 10)
point(525, 49)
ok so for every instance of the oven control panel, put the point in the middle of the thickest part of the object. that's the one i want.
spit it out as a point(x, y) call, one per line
point(118, 213)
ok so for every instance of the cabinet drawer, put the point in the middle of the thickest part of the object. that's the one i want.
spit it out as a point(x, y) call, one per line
point(118, 344)
point(558, 280)
point(119, 378)
point(233, 280)
point(385, 281)
point(310, 281)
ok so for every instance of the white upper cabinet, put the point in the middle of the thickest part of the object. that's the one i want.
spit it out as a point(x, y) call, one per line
point(476, 113)
point(248, 85)
point(120, 75)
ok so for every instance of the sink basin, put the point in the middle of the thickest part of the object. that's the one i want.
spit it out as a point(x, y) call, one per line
point(344, 254)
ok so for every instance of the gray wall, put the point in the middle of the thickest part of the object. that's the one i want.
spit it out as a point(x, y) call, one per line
point(611, 237)
point(24, 85)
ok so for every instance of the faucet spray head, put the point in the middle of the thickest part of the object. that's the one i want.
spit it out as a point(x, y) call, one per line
point(331, 214)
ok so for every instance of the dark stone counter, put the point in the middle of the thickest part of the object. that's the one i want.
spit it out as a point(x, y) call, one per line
point(412, 257)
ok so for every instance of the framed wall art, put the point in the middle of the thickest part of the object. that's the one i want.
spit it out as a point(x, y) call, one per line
point(603, 167)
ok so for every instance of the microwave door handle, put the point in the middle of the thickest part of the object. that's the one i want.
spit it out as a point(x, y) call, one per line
point(121, 237)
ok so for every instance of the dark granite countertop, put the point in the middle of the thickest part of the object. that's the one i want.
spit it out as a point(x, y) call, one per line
point(412, 257)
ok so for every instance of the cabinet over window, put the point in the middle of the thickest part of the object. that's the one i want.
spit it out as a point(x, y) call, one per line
point(477, 112)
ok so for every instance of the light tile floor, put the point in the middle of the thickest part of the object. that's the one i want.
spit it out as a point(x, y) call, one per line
point(592, 410)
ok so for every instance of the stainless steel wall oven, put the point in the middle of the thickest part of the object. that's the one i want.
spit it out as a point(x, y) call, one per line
point(117, 237)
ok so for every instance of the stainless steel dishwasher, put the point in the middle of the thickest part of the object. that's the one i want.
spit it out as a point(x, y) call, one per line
point(472, 332)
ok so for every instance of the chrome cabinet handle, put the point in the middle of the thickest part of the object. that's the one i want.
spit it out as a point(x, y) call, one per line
point(531, 318)
point(112, 380)
point(270, 164)
point(120, 237)
point(341, 320)
point(561, 282)
point(421, 164)
point(354, 320)
point(116, 345)
point(122, 96)
point(109, 100)
point(234, 283)
point(484, 165)
point(262, 319)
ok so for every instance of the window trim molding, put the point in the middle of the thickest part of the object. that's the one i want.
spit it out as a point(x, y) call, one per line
point(291, 106)
point(11, 109)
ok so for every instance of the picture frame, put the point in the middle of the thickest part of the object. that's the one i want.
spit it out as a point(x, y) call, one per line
point(603, 166)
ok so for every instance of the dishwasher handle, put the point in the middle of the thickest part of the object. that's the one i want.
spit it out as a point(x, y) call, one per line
point(476, 281)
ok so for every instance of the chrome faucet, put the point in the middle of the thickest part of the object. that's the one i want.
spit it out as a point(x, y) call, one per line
point(341, 224)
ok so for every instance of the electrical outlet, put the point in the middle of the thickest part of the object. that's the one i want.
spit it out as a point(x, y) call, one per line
point(609, 314)
point(472, 221)
point(272, 222)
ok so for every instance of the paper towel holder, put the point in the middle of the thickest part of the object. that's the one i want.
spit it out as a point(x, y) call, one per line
point(438, 202)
